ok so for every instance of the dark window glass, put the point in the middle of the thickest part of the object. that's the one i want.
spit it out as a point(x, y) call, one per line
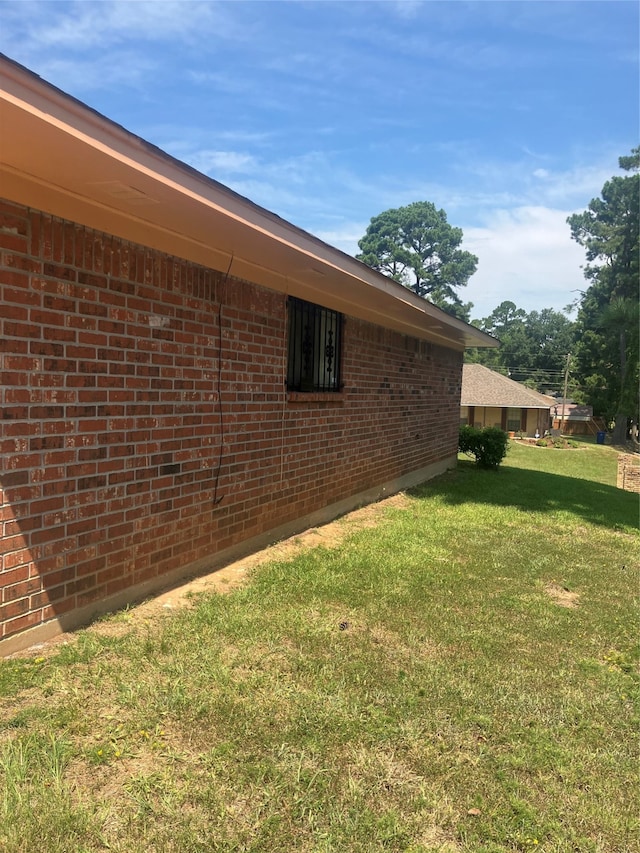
point(315, 341)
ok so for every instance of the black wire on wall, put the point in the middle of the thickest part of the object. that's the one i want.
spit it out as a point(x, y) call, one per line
point(223, 290)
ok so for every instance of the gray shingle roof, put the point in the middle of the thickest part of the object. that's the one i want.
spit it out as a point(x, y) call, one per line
point(484, 387)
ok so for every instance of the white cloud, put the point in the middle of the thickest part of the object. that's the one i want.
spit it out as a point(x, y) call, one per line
point(303, 189)
point(513, 214)
point(87, 45)
point(571, 187)
point(273, 196)
point(119, 67)
point(79, 26)
point(525, 255)
point(218, 164)
point(543, 186)
point(244, 97)
point(345, 237)
point(407, 9)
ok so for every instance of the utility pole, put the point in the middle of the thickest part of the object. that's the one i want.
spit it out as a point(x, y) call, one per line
point(564, 395)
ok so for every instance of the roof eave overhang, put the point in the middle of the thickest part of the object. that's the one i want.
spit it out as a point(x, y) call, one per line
point(505, 405)
point(59, 156)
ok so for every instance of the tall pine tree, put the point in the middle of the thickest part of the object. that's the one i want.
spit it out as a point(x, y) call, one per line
point(417, 247)
point(608, 316)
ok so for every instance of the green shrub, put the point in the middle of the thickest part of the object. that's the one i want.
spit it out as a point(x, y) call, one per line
point(488, 446)
point(468, 439)
point(542, 442)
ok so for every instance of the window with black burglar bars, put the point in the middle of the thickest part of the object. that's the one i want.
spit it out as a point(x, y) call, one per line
point(315, 341)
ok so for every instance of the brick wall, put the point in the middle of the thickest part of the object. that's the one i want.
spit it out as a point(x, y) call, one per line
point(145, 424)
point(629, 472)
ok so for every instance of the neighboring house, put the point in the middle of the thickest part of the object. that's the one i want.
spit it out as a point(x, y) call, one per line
point(490, 399)
point(185, 376)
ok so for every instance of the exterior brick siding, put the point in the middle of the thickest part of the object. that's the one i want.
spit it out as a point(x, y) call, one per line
point(145, 422)
point(629, 472)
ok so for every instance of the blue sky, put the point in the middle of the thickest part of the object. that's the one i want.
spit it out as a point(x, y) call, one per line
point(508, 115)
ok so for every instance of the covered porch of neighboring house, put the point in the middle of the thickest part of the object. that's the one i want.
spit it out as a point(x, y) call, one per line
point(512, 419)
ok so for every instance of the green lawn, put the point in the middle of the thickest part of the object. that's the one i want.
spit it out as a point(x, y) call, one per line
point(462, 677)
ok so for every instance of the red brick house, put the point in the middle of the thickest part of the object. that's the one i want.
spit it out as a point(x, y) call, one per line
point(185, 375)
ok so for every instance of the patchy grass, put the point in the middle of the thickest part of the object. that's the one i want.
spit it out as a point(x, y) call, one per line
point(460, 678)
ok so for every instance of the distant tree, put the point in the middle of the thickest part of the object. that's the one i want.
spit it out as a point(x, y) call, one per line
point(607, 352)
point(505, 322)
point(533, 347)
point(457, 308)
point(550, 335)
point(503, 318)
point(417, 247)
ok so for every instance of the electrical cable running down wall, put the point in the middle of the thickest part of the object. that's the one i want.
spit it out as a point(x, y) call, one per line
point(223, 292)
point(284, 380)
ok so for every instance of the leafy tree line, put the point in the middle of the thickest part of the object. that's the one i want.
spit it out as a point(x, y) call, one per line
point(417, 247)
point(533, 347)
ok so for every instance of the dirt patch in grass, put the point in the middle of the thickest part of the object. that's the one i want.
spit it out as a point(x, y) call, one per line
point(229, 577)
point(562, 596)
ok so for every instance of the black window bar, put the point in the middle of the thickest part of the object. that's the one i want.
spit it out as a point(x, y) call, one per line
point(315, 343)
